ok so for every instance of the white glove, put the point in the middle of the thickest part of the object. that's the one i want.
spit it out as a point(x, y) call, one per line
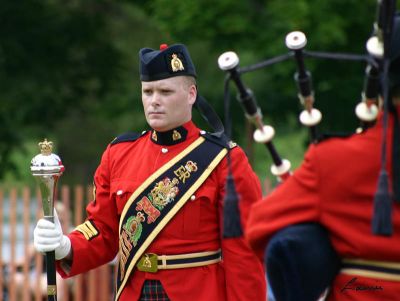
point(48, 237)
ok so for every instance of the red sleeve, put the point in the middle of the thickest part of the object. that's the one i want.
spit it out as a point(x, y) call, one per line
point(100, 244)
point(295, 201)
point(245, 276)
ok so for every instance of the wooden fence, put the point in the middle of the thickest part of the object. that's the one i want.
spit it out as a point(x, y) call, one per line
point(23, 272)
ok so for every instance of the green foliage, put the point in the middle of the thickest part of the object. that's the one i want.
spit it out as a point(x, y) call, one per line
point(69, 70)
point(256, 31)
point(53, 57)
point(59, 60)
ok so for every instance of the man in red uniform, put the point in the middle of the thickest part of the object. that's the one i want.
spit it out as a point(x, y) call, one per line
point(158, 202)
point(335, 187)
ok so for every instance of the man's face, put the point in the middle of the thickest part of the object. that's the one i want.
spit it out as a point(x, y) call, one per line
point(168, 102)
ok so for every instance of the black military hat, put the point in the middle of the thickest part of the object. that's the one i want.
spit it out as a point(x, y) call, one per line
point(301, 262)
point(167, 62)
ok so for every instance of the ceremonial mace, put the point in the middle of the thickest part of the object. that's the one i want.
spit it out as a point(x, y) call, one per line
point(47, 167)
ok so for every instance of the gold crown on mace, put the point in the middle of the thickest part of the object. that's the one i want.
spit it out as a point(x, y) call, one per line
point(46, 147)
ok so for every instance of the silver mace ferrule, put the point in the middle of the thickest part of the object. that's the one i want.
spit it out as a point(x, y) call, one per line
point(47, 167)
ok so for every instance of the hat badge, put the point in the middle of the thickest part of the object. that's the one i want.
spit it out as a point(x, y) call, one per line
point(176, 63)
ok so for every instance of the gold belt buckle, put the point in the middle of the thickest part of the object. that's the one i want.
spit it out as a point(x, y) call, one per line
point(148, 263)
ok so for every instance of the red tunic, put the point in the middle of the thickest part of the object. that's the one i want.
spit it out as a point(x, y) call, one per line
point(335, 186)
point(195, 228)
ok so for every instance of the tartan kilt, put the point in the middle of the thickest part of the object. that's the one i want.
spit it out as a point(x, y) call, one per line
point(153, 290)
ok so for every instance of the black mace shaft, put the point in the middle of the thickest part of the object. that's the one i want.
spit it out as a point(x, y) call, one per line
point(51, 276)
point(47, 186)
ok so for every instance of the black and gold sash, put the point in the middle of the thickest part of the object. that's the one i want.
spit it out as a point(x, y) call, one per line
point(159, 198)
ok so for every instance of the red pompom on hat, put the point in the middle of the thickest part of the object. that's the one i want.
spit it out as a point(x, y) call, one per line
point(163, 46)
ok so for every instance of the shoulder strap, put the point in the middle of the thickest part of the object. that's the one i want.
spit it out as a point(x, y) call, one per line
point(127, 137)
point(222, 140)
point(207, 112)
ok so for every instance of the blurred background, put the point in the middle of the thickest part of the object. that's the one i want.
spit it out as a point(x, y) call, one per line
point(69, 71)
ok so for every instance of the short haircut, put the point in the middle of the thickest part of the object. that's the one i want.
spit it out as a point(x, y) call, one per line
point(190, 80)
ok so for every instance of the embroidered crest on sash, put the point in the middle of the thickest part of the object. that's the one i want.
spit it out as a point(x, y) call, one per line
point(129, 236)
point(183, 172)
point(163, 193)
point(146, 205)
point(156, 201)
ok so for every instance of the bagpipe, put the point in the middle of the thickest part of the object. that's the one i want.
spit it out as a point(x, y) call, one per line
point(296, 41)
point(301, 262)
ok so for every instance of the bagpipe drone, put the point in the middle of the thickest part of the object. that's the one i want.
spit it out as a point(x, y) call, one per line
point(296, 41)
point(295, 272)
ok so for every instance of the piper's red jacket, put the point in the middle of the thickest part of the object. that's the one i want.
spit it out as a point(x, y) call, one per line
point(195, 228)
point(335, 186)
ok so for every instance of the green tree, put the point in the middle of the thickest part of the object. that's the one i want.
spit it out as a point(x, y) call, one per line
point(51, 54)
point(60, 60)
point(69, 70)
point(256, 31)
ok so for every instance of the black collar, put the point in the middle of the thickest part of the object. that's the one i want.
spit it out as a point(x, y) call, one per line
point(170, 137)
